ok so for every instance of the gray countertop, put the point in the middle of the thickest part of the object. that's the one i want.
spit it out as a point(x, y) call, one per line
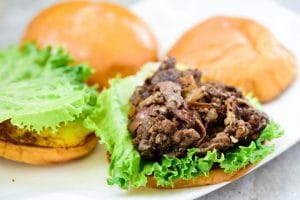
point(278, 179)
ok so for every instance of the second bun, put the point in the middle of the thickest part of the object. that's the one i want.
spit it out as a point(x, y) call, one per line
point(107, 36)
point(238, 52)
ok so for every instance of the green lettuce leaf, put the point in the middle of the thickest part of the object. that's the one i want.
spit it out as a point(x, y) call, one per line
point(38, 89)
point(189, 167)
point(110, 122)
point(254, 101)
point(127, 168)
point(238, 158)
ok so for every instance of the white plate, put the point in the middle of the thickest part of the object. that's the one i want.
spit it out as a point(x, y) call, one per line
point(86, 178)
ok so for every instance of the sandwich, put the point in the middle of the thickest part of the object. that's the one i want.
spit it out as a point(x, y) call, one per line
point(165, 127)
point(44, 106)
point(45, 102)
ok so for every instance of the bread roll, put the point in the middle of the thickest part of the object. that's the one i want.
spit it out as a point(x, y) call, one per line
point(238, 52)
point(107, 36)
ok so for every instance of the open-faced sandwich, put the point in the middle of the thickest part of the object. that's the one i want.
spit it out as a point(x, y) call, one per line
point(165, 127)
point(44, 106)
point(45, 103)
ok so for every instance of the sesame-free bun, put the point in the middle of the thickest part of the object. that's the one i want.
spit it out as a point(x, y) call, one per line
point(107, 36)
point(238, 52)
point(45, 155)
point(215, 176)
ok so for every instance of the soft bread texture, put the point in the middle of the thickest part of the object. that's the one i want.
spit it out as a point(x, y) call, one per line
point(215, 176)
point(107, 36)
point(45, 155)
point(238, 52)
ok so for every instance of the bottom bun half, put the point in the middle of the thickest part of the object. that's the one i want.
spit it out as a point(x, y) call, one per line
point(46, 155)
point(215, 176)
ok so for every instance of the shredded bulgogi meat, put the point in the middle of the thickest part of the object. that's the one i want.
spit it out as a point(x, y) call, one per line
point(174, 111)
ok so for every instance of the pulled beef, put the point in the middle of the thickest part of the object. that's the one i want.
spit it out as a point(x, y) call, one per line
point(174, 111)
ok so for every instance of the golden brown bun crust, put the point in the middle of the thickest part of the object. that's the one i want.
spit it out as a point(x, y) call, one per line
point(107, 36)
point(42, 155)
point(238, 52)
point(215, 176)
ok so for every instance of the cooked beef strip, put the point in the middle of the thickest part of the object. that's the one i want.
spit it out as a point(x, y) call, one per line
point(174, 111)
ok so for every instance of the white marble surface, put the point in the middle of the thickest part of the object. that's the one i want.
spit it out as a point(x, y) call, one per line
point(278, 179)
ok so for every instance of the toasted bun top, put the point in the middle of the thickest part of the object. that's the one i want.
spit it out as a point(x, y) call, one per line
point(107, 36)
point(239, 52)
